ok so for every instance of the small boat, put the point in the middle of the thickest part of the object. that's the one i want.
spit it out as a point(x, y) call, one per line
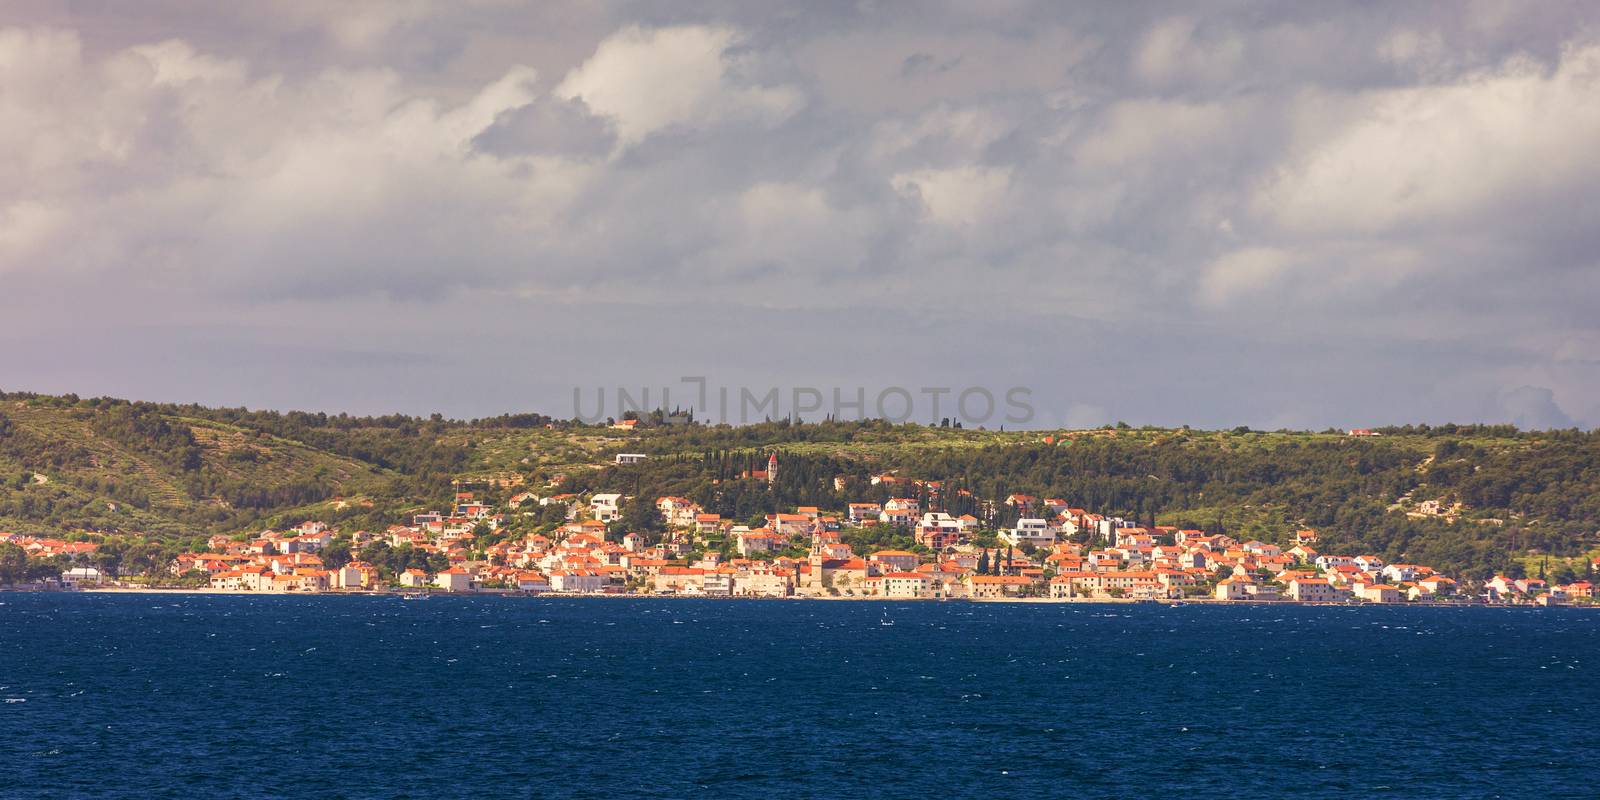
point(414, 596)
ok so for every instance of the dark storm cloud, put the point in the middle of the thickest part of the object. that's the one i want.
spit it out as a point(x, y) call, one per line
point(1270, 214)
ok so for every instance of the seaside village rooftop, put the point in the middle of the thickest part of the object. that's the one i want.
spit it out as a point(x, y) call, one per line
point(1054, 551)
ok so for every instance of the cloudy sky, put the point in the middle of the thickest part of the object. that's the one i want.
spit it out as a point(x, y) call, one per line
point(1280, 215)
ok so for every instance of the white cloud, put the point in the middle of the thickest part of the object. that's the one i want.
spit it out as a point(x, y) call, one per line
point(175, 63)
point(1242, 273)
point(26, 228)
point(356, 25)
point(193, 168)
point(512, 91)
point(1385, 180)
point(798, 229)
point(1426, 156)
point(957, 197)
point(1422, 51)
point(655, 78)
point(1177, 50)
point(943, 133)
point(1145, 131)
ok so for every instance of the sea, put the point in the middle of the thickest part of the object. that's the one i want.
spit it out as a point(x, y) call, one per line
point(239, 696)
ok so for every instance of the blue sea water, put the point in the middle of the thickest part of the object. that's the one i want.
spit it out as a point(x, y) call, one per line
point(147, 696)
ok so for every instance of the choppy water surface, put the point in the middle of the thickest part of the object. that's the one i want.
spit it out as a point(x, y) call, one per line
point(237, 696)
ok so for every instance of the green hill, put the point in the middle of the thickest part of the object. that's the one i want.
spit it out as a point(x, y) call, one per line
point(70, 468)
point(1466, 498)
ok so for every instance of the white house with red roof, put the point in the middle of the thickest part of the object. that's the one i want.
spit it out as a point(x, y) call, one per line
point(455, 579)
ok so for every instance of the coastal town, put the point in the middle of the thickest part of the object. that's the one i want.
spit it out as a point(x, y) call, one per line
point(1054, 551)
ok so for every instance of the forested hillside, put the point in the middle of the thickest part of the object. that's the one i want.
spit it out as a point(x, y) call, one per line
point(1469, 498)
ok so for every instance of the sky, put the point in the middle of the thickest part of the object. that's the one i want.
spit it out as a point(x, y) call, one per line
point(1296, 215)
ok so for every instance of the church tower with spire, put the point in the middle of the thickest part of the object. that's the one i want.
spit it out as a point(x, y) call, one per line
point(772, 469)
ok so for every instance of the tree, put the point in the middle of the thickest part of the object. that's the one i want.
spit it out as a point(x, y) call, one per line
point(983, 563)
point(40, 569)
point(337, 553)
point(108, 559)
point(553, 513)
point(13, 563)
point(642, 515)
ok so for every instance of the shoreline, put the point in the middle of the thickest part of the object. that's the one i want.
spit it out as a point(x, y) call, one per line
point(150, 590)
